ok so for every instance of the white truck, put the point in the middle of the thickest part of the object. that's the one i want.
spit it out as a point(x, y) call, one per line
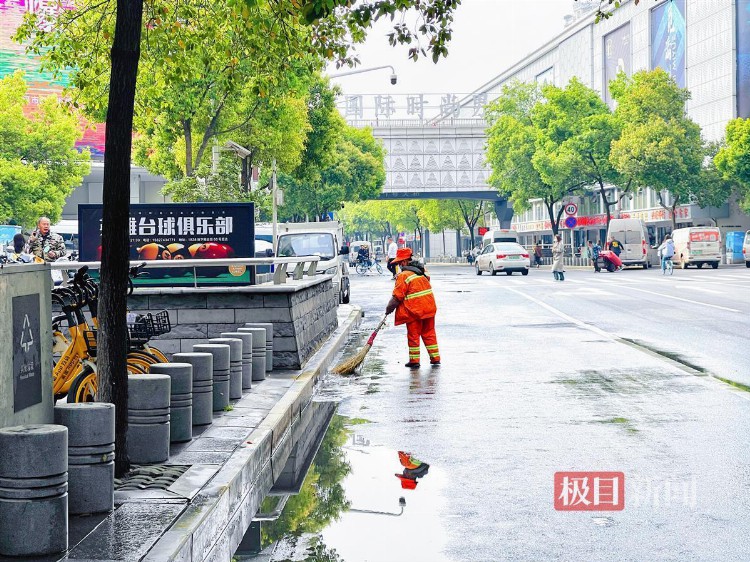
point(323, 239)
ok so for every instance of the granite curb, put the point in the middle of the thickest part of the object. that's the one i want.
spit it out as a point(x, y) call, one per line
point(212, 525)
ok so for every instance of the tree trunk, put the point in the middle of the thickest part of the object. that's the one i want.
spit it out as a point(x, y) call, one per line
point(187, 127)
point(112, 338)
point(551, 213)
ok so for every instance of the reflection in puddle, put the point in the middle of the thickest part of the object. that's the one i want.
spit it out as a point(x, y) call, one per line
point(350, 507)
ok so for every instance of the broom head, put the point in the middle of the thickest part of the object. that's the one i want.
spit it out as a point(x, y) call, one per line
point(350, 365)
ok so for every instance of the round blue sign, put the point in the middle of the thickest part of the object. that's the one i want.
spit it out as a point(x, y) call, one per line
point(571, 222)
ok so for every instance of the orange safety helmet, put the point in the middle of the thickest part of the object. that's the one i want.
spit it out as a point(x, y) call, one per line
point(401, 255)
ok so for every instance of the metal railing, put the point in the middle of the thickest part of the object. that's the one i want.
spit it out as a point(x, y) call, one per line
point(302, 265)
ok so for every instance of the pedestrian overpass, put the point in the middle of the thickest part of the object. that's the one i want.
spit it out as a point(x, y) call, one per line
point(442, 160)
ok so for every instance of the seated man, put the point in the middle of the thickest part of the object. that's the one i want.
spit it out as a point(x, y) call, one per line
point(363, 256)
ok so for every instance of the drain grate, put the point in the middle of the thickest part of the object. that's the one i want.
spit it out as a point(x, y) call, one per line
point(157, 477)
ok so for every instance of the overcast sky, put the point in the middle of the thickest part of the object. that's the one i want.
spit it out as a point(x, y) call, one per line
point(488, 37)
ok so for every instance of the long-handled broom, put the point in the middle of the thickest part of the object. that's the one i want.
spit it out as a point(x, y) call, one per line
point(350, 365)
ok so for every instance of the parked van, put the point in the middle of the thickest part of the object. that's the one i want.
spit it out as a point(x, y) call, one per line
point(746, 249)
point(633, 234)
point(503, 235)
point(697, 245)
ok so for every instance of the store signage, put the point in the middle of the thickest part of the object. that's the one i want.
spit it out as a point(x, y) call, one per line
point(179, 231)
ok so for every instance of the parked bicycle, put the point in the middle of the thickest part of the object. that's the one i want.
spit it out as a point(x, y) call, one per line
point(75, 373)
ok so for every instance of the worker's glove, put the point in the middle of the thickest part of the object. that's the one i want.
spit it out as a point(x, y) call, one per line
point(392, 305)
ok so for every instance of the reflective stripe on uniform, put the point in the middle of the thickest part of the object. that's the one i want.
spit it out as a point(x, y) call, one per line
point(410, 278)
point(418, 294)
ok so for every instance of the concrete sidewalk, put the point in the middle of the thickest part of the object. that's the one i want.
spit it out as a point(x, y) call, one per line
point(198, 505)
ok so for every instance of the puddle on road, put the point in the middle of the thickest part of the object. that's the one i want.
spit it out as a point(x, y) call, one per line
point(358, 501)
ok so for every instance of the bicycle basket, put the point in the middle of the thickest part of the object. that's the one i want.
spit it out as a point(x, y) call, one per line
point(140, 330)
point(160, 323)
point(89, 338)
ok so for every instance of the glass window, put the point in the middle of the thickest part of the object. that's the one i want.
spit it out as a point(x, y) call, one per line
point(294, 245)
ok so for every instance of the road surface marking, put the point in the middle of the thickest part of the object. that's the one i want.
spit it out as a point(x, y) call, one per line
point(683, 300)
point(617, 339)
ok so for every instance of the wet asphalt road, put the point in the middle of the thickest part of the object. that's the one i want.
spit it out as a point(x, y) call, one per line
point(538, 377)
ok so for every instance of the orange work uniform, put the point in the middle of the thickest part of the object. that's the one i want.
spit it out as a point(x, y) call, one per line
point(416, 308)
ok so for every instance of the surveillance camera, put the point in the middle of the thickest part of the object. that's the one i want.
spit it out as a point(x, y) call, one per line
point(394, 79)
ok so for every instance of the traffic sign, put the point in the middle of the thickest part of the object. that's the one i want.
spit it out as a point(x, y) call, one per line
point(571, 209)
point(571, 222)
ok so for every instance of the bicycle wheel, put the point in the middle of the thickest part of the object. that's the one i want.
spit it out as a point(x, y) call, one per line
point(140, 365)
point(147, 356)
point(156, 352)
point(83, 388)
point(670, 267)
point(362, 268)
point(379, 268)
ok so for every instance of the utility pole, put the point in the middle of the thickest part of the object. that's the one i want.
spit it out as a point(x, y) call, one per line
point(274, 211)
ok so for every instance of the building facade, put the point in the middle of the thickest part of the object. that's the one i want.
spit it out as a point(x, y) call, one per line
point(703, 44)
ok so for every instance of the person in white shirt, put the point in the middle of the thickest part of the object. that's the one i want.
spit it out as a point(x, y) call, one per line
point(392, 250)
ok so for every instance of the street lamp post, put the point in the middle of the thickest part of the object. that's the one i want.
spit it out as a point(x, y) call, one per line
point(394, 77)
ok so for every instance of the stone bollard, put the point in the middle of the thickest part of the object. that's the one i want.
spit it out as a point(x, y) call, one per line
point(33, 490)
point(180, 399)
point(235, 364)
point(268, 326)
point(259, 351)
point(91, 455)
point(148, 418)
point(203, 385)
point(220, 373)
point(247, 356)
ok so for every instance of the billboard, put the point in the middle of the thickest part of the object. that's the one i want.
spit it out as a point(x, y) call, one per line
point(617, 57)
point(743, 58)
point(13, 56)
point(668, 39)
point(177, 231)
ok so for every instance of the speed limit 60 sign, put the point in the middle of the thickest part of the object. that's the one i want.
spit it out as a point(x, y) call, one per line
point(571, 209)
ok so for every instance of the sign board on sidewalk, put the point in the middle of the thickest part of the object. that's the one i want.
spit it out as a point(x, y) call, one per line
point(571, 209)
point(177, 231)
point(27, 361)
point(571, 222)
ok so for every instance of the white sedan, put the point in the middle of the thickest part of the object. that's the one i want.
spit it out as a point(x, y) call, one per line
point(503, 256)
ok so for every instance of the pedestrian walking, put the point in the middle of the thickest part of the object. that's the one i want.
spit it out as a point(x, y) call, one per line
point(558, 249)
point(537, 254)
point(45, 244)
point(391, 250)
point(415, 306)
point(595, 250)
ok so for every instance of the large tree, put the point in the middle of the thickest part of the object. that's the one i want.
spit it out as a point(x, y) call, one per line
point(520, 146)
point(340, 163)
point(733, 159)
point(39, 164)
point(660, 146)
point(577, 129)
point(332, 26)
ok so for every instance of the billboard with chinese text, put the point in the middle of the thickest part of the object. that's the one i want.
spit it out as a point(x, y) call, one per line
point(668, 39)
point(617, 57)
point(743, 58)
point(13, 57)
point(178, 231)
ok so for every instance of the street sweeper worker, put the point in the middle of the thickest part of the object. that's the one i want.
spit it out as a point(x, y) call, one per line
point(415, 306)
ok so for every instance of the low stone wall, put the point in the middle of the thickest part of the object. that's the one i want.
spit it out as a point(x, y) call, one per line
point(303, 314)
